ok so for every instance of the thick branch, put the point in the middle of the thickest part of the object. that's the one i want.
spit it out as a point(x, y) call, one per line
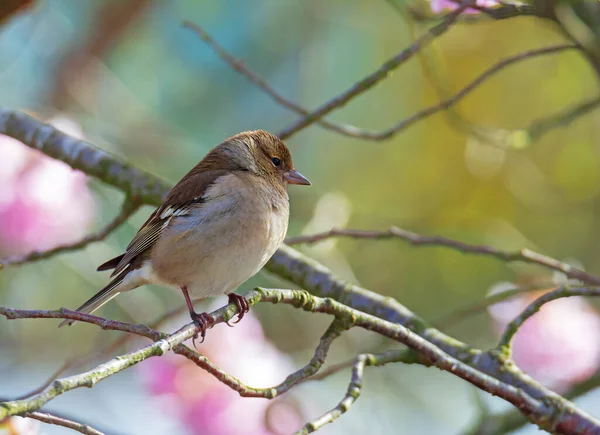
point(82, 155)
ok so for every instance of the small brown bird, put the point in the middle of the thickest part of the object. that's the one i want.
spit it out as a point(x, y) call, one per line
point(218, 226)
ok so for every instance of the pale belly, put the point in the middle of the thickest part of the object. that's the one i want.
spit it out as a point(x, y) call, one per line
point(217, 260)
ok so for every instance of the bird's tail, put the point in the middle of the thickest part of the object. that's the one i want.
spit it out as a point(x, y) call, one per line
point(100, 298)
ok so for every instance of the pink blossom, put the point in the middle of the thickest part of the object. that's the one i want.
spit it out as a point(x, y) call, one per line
point(20, 426)
point(43, 202)
point(204, 404)
point(438, 6)
point(560, 345)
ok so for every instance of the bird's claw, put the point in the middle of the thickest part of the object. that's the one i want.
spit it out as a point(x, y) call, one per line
point(242, 305)
point(203, 321)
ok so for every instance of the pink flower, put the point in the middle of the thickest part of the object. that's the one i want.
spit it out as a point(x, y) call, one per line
point(20, 426)
point(438, 6)
point(43, 202)
point(204, 404)
point(560, 345)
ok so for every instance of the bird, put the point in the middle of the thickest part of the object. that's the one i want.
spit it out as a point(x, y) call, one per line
point(217, 227)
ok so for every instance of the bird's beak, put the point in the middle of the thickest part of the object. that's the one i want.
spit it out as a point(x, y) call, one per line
point(294, 177)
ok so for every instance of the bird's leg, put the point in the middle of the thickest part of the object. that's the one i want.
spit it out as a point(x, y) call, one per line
point(242, 305)
point(202, 320)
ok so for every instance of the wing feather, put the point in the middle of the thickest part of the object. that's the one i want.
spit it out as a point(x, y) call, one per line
point(188, 193)
point(150, 232)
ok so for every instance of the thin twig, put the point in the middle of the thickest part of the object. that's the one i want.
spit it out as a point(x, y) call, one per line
point(505, 10)
point(238, 66)
point(476, 307)
point(352, 131)
point(372, 79)
point(128, 208)
point(300, 375)
point(406, 356)
point(60, 421)
point(449, 102)
point(561, 119)
point(354, 388)
point(525, 255)
point(562, 292)
point(352, 394)
point(81, 361)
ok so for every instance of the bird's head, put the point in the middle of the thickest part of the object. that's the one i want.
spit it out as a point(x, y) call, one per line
point(263, 154)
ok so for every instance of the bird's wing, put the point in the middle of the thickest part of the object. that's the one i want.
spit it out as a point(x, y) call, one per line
point(187, 194)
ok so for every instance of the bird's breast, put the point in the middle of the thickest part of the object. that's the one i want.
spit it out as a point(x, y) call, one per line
point(218, 247)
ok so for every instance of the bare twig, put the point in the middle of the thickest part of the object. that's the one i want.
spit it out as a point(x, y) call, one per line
point(406, 356)
point(352, 394)
point(91, 377)
point(562, 119)
point(533, 408)
point(505, 10)
point(562, 292)
point(525, 255)
point(352, 131)
point(372, 79)
point(478, 306)
point(128, 208)
point(449, 102)
point(238, 66)
point(354, 388)
point(60, 421)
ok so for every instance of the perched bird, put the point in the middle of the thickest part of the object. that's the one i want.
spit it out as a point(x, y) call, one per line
point(217, 227)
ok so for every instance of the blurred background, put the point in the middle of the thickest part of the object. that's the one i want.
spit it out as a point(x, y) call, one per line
point(127, 76)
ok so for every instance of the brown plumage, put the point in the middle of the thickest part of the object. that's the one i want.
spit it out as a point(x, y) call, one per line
point(217, 227)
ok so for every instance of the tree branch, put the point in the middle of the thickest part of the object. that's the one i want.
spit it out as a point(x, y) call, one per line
point(562, 292)
point(348, 317)
point(320, 281)
point(462, 314)
point(451, 101)
point(561, 119)
point(128, 208)
point(60, 421)
point(82, 155)
point(524, 255)
point(372, 79)
point(352, 394)
point(238, 66)
point(352, 131)
point(511, 420)
point(355, 386)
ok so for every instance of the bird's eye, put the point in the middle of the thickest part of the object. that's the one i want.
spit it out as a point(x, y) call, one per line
point(276, 161)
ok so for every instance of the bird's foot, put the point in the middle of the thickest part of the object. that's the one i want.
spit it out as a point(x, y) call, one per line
point(242, 305)
point(203, 321)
